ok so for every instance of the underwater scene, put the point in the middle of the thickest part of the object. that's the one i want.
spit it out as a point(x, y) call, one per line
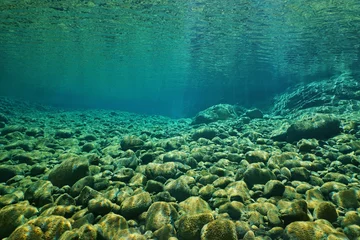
point(179, 119)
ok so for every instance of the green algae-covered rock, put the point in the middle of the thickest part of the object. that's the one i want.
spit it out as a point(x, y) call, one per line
point(274, 188)
point(51, 227)
point(351, 217)
point(296, 212)
point(215, 113)
point(179, 189)
point(189, 226)
point(205, 132)
point(234, 209)
point(12, 128)
point(15, 215)
point(40, 193)
point(166, 170)
point(193, 205)
point(166, 232)
point(325, 210)
point(160, 214)
point(321, 126)
point(219, 230)
point(346, 199)
point(135, 205)
point(254, 175)
point(256, 156)
point(64, 133)
point(131, 142)
point(9, 171)
point(301, 230)
point(69, 171)
point(113, 225)
point(102, 206)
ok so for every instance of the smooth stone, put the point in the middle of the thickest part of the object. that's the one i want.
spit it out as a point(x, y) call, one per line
point(69, 171)
point(135, 205)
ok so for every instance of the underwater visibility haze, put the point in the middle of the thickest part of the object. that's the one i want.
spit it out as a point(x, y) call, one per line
point(171, 57)
point(179, 119)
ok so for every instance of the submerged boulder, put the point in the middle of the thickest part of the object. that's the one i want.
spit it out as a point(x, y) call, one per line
point(215, 113)
point(321, 126)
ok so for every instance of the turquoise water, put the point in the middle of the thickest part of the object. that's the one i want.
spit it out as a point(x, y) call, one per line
point(172, 57)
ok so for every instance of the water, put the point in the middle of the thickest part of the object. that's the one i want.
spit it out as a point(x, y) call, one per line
point(172, 57)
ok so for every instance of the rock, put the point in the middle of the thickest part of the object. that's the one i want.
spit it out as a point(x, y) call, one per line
point(65, 200)
point(154, 186)
point(194, 205)
point(219, 229)
point(80, 184)
point(329, 187)
point(351, 217)
point(320, 126)
point(233, 209)
point(274, 218)
point(254, 113)
point(69, 171)
point(207, 191)
point(255, 218)
point(325, 210)
point(113, 225)
point(11, 198)
point(346, 199)
point(189, 226)
point(166, 232)
point(123, 175)
point(39, 193)
point(312, 231)
point(128, 162)
point(9, 171)
point(296, 212)
point(160, 214)
point(102, 206)
point(131, 142)
point(256, 156)
point(64, 133)
point(12, 128)
point(179, 189)
point(86, 194)
point(215, 113)
point(51, 227)
point(178, 156)
point(37, 169)
point(3, 118)
point(352, 231)
point(15, 215)
point(88, 147)
point(237, 191)
point(64, 211)
point(166, 170)
point(135, 205)
point(274, 188)
point(300, 174)
point(255, 175)
point(205, 132)
point(35, 132)
point(306, 145)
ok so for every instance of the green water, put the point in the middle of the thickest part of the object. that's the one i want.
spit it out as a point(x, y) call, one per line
point(173, 55)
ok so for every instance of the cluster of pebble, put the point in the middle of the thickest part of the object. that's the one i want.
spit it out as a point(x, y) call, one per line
point(226, 174)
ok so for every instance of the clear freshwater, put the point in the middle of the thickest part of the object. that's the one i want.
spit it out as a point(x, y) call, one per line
point(172, 57)
point(179, 119)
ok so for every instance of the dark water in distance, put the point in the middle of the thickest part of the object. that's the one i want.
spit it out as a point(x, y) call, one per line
point(172, 57)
